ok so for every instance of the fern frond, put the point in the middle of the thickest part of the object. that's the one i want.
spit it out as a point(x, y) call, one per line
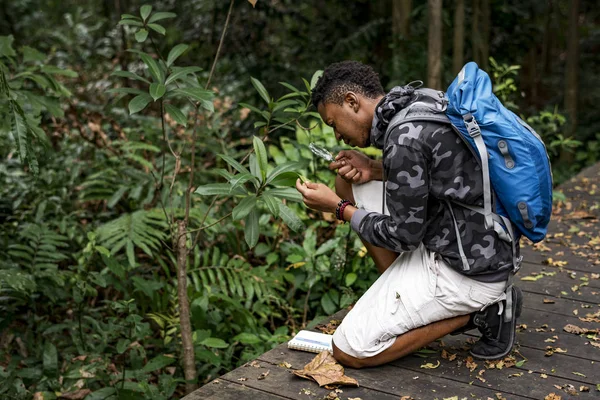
point(142, 229)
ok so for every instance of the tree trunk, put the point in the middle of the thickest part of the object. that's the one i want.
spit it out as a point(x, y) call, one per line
point(189, 361)
point(475, 32)
point(434, 44)
point(458, 56)
point(401, 10)
point(572, 65)
point(484, 45)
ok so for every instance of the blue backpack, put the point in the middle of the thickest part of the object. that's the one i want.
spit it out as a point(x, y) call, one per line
point(515, 168)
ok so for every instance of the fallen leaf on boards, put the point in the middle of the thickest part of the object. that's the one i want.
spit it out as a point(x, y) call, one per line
point(325, 370)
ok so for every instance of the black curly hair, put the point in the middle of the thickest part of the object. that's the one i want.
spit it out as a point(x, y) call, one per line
point(341, 77)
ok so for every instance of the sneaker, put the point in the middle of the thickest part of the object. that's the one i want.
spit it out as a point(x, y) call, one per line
point(498, 337)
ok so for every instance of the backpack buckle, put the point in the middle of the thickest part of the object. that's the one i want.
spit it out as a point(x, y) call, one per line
point(472, 125)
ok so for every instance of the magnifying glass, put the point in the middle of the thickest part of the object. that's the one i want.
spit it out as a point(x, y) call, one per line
point(321, 152)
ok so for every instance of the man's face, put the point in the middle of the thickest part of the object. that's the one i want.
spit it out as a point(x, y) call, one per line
point(351, 121)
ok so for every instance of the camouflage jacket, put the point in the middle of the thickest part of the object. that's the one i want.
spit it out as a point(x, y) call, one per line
point(427, 165)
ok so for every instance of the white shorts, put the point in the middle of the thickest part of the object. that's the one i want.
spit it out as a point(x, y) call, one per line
point(417, 289)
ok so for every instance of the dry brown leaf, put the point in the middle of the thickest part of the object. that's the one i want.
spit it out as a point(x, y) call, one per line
point(595, 344)
point(553, 396)
point(548, 301)
point(325, 370)
point(254, 364)
point(430, 365)
point(264, 375)
point(471, 364)
point(570, 328)
point(285, 364)
point(253, 2)
point(242, 379)
point(584, 388)
point(76, 395)
point(329, 328)
point(543, 376)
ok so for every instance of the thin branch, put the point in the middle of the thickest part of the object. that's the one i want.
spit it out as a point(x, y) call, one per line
point(212, 70)
point(188, 192)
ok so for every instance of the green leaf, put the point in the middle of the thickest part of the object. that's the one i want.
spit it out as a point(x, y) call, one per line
point(261, 90)
point(286, 179)
point(161, 15)
point(328, 303)
point(251, 229)
point(50, 360)
point(175, 53)
point(290, 87)
point(6, 48)
point(327, 246)
point(129, 75)
point(315, 78)
point(236, 165)
point(157, 90)
point(122, 345)
point(241, 178)
point(157, 28)
point(101, 394)
point(208, 105)
point(244, 207)
point(261, 154)
point(51, 69)
point(176, 114)
point(125, 90)
point(138, 103)
point(129, 16)
point(131, 22)
point(285, 193)
point(253, 164)
point(145, 11)
point(31, 54)
point(181, 72)
point(214, 189)
point(290, 218)
point(153, 67)
point(214, 342)
point(158, 362)
point(287, 167)
point(520, 363)
point(247, 338)
point(196, 93)
point(351, 278)
point(272, 204)
point(141, 35)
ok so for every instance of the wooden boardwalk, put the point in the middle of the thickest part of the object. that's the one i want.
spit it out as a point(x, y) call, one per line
point(561, 287)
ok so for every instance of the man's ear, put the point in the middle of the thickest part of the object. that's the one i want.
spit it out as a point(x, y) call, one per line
point(352, 100)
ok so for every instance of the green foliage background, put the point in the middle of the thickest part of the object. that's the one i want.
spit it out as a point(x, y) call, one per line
point(90, 187)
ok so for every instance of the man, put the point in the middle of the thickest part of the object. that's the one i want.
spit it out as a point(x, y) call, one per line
point(408, 230)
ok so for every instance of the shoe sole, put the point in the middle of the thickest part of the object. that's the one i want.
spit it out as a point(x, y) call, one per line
point(517, 307)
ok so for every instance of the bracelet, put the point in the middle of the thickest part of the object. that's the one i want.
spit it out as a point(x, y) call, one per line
point(339, 211)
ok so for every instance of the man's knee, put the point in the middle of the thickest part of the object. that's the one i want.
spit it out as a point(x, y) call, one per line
point(346, 359)
point(344, 189)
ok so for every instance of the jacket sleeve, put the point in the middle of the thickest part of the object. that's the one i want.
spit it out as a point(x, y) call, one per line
point(407, 189)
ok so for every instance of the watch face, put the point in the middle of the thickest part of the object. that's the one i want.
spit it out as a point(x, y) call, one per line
point(321, 152)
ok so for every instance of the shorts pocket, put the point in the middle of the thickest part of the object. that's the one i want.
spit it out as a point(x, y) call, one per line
point(483, 297)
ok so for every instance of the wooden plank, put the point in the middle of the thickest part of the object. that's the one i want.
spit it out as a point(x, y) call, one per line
point(572, 277)
point(220, 389)
point(557, 369)
point(536, 334)
point(575, 262)
point(556, 288)
point(281, 381)
point(386, 379)
point(561, 306)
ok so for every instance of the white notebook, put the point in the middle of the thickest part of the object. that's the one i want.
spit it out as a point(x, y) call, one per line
point(311, 341)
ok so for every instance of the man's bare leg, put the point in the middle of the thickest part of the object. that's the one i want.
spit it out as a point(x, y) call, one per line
point(404, 344)
point(383, 258)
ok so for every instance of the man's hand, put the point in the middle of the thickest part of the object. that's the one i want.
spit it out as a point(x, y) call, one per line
point(355, 167)
point(318, 196)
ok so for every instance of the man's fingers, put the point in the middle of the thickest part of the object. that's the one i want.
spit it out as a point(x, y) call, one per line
point(312, 185)
point(351, 174)
point(356, 178)
point(300, 187)
point(345, 169)
point(341, 154)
